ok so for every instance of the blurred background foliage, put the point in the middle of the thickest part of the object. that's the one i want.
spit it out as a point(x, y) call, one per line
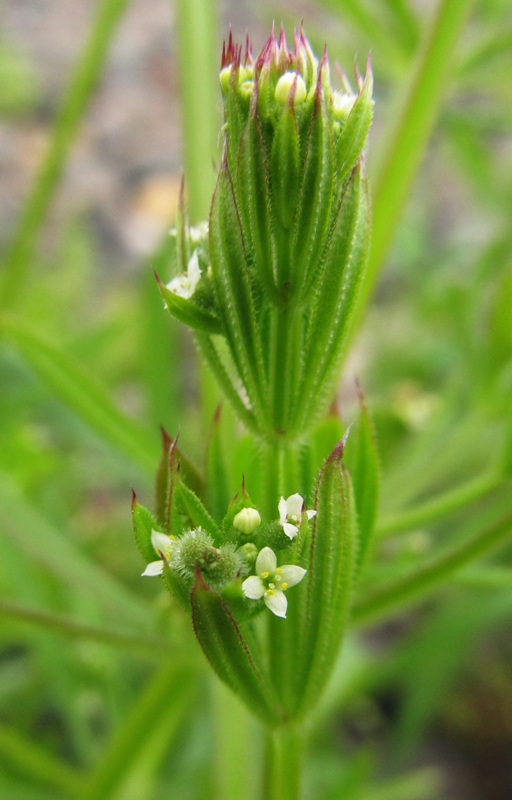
point(102, 691)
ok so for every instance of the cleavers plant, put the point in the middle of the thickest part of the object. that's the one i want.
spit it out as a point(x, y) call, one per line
point(268, 287)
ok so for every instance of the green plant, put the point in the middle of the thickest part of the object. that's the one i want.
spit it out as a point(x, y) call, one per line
point(105, 693)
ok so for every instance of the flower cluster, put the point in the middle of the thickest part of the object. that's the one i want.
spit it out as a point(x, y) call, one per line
point(221, 565)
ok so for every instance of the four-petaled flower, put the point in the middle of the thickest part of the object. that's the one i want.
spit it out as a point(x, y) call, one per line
point(162, 545)
point(271, 581)
point(184, 285)
point(290, 514)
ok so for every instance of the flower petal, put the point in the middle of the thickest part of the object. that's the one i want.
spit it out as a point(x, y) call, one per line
point(290, 530)
point(161, 542)
point(277, 602)
point(283, 510)
point(294, 506)
point(155, 568)
point(266, 561)
point(291, 575)
point(253, 587)
point(194, 271)
point(311, 514)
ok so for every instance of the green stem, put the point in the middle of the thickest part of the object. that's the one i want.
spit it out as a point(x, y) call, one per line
point(199, 67)
point(236, 764)
point(283, 764)
point(441, 506)
point(399, 594)
point(278, 358)
point(81, 88)
point(272, 485)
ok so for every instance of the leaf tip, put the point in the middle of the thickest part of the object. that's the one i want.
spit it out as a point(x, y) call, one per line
point(339, 449)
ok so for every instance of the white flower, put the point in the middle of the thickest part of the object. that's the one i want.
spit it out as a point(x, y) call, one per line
point(290, 514)
point(162, 545)
point(198, 232)
point(184, 285)
point(271, 581)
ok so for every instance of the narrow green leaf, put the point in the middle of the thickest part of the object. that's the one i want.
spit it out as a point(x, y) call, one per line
point(329, 579)
point(196, 512)
point(329, 316)
point(441, 506)
point(143, 524)
point(355, 131)
point(162, 483)
point(256, 202)
point(362, 460)
point(321, 441)
point(211, 354)
point(285, 166)
point(75, 386)
point(189, 313)
point(232, 281)
point(312, 218)
point(227, 651)
point(398, 596)
point(235, 118)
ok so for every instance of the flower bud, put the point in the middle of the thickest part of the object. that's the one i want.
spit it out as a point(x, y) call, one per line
point(290, 85)
point(247, 520)
point(288, 236)
point(249, 552)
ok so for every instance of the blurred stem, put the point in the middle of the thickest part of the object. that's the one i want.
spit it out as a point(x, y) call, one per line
point(486, 577)
point(199, 71)
point(442, 505)
point(73, 384)
point(284, 760)
point(400, 158)
point(234, 735)
point(273, 468)
point(72, 627)
point(399, 594)
point(35, 764)
point(168, 695)
point(83, 82)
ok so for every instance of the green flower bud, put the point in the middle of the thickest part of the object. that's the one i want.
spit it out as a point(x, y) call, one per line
point(247, 520)
point(290, 85)
point(249, 552)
